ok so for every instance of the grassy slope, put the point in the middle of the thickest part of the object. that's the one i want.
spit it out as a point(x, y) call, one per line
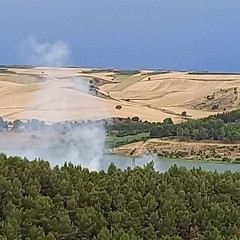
point(113, 141)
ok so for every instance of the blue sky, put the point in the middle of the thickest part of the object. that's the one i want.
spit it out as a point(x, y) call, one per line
point(163, 34)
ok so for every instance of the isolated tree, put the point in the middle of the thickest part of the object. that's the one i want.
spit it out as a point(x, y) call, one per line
point(90, 82)
point(135, 118)
point(215, 106)
point(118, 107)
point(184, 113)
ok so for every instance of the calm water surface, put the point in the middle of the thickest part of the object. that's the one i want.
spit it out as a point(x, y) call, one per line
point(163, 164)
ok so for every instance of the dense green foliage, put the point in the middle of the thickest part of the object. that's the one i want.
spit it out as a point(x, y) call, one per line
point(225, 127)
point(125, 128)
point(40, 202)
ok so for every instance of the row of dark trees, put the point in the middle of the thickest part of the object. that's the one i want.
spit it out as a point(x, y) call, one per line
point(224, 127)
point(39, 202)
point(131, 127)
point(34, 124)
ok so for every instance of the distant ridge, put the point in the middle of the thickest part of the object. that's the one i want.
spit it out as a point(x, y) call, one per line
point(213, 73)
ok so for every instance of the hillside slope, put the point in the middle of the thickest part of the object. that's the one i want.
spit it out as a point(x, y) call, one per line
point(57, 94)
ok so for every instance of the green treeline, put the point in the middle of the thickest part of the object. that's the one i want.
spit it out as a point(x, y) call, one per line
point(70, 202)
point(225, 127)
point(126, 128)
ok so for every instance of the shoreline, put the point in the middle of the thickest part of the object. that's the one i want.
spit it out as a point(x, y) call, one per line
point(176, 159)
point(192, 151)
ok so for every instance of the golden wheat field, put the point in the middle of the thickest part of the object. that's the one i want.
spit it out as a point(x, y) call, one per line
point(58, 94)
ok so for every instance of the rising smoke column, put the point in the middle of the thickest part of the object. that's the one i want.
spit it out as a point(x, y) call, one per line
point(45, 54)
point(82, 145)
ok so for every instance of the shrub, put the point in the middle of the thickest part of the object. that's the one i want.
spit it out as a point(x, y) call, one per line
point(118, 107)
point(226, 159)
point(135, 118)
point(184, 113)
point(215, 106)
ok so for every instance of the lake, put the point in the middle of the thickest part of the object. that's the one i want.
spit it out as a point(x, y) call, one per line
point(163, 164)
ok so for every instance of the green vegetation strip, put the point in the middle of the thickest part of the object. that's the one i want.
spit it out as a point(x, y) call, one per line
point(114, 141)
point(224, 127)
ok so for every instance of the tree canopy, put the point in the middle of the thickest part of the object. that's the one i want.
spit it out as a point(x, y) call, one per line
point(224, 127)
point(70, 202)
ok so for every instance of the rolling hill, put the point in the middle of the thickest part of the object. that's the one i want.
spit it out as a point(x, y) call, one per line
point(57, 94)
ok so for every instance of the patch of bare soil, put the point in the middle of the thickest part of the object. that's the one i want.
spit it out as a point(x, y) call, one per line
point(189, 150)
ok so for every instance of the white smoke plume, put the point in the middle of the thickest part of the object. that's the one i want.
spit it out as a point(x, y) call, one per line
point(45, 54)
point(81, 144)
point(78, 143)
point(68, 141)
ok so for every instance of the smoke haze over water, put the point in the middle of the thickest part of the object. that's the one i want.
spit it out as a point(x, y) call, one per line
point(81, 144)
